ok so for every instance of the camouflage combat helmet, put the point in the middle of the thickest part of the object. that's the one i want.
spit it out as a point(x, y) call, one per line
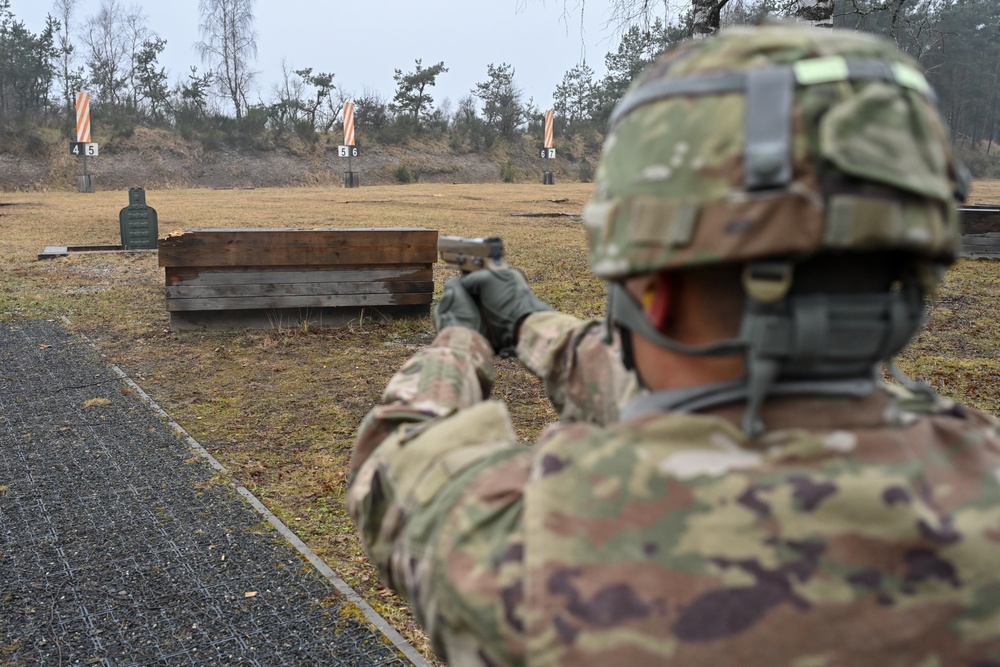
point(763, 147)
point(774, 140)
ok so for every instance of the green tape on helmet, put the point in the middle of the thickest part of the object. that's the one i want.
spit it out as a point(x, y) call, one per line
point(821, 70)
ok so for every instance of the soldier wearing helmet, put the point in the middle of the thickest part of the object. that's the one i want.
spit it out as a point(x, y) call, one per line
point(730, 481)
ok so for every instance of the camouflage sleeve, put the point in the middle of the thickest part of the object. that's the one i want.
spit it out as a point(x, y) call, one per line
point(453, 372)
point(436, 493)
point(583, 374)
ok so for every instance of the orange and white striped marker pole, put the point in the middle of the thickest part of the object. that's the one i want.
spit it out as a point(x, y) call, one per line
point(83, 132)
point(349, 137)
point(83, 117)
point(548, 149)
point(348, 123)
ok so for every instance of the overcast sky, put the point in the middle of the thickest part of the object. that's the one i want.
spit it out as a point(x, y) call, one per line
point(364, 41)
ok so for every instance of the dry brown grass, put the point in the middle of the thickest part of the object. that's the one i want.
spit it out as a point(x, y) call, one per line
point(280, 408)
point(985, 192)
point(958, 352)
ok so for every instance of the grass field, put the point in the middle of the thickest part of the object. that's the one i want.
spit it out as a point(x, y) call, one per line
point(280, 408)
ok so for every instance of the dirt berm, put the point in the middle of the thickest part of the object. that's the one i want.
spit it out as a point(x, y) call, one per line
point(157, 159)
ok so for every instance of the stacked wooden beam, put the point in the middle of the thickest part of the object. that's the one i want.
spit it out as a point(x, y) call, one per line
point(227, 278)
point(980, 218)
point(981, 231)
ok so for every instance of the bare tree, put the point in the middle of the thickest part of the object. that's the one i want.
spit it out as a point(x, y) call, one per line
point(69, 77)
point(115, 38)
point(136, 32)
point(304, 97)
point(909, 24)
point(229, 47)
point(107, 53)
point(817, 12)
point(706, 16)
point(703, 17)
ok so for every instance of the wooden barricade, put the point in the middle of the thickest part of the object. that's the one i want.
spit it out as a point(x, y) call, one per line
point(271, 278)
point(980, 231)
point(980, 218)
point(981, 246)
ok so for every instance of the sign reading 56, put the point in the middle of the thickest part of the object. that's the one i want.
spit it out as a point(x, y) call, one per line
point(348, 151)
point(83, 148)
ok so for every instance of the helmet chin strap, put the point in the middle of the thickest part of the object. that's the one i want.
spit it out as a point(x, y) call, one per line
point(627, 316)
point(784, 336)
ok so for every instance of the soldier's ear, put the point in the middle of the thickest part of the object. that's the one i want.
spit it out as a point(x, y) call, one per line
point(658, 300)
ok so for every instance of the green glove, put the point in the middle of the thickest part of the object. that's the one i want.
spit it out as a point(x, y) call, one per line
point(457, 308)
point(505, 298)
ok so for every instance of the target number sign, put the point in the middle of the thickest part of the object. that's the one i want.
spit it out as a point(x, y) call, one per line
point(547, 153)
point(86, 148)
point(348, 151)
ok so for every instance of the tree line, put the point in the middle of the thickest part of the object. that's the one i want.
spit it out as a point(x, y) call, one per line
point(115, 55)
point(956, 41)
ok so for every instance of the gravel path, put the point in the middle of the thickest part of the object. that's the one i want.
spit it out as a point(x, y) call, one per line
point(120, 545)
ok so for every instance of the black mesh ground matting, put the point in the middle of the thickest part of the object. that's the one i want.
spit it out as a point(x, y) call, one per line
point(120, 546)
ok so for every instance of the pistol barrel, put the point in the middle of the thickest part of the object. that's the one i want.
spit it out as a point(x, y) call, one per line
point(472, 254)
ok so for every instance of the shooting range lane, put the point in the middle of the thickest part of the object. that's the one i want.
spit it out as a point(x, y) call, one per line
point(120, 545)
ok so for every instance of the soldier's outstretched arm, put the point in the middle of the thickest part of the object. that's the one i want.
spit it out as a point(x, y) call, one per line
point(583, 374)
point(434, 464)
point(453, 372)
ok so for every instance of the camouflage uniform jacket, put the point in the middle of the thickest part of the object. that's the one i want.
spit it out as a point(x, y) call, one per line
point(855, 531)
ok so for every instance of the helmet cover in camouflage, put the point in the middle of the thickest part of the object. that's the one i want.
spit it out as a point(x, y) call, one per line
point(779, 140)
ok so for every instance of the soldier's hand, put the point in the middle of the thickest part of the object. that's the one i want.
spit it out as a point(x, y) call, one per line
point(457, 308)
point(505, 298)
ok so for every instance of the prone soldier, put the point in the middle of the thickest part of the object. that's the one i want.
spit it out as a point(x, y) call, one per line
point(730, 482)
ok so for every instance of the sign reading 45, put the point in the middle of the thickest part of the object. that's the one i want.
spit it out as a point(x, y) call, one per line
point(348, 151)
point(83, 148)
